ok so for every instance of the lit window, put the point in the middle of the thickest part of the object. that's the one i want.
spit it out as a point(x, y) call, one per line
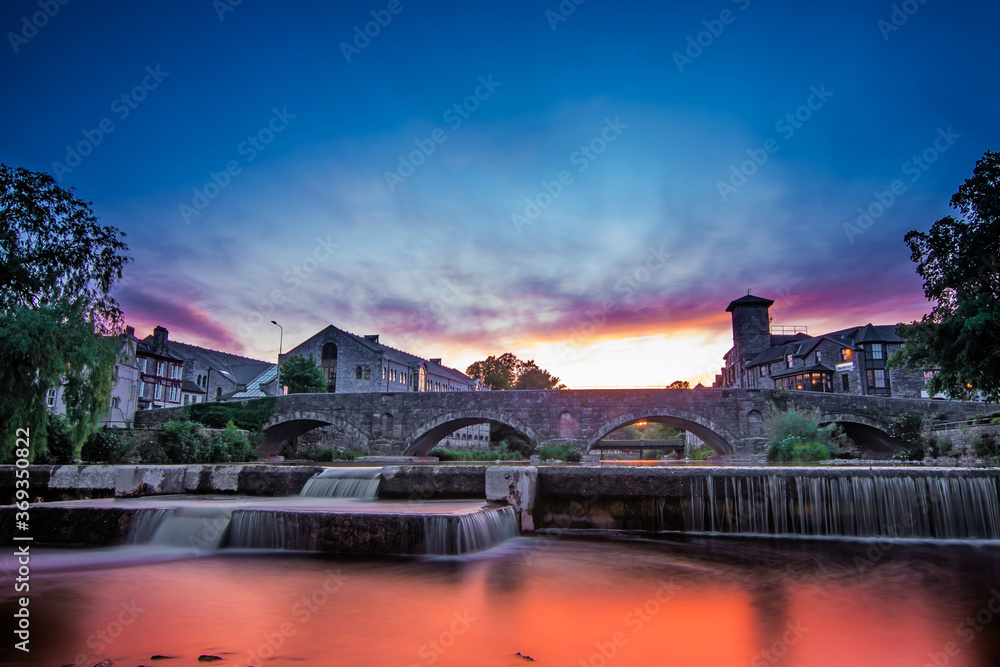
point(845, 354)
point(877, 351)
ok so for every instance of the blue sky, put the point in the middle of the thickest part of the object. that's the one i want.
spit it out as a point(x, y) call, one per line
point(610, 179)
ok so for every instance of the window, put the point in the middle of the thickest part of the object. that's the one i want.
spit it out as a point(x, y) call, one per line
point(368, 372)
point(819, 356)
point(763, 371)
point(160, 368)
point(115, 402)
point(50, 398)
point(927, 376)
point(846, 382)
point(194, 399)
point(357, 373)
point(880, 379)
point(790, 360)
point(174, 394)
point(158, 392)
point(187, 399)
point(846, 354)
point(877, 351)
point(175, 372)
point(218, 393)
point(142, 365)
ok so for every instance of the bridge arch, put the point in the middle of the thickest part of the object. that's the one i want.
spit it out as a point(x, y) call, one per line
point(871, 435)
point(711, 433)
point(282, 427)
point(423, 438)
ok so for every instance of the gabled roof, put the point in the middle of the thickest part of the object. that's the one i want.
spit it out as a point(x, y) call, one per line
point(255, 387)
point(749, 300)
point(237, 368)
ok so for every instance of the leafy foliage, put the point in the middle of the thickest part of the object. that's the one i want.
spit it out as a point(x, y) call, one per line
point(908, 429)
point(58, 438)
point(248, 415)
point(679, 384)
point(183, 442)
point(565, 452)
point(42, 348)
point(302, 375)
point(473, 455)
point(108, 445)
point(333, 454)
point(703, 452)
point(796, 435)
point(52, 249)
point(959, 260)
point(509, 372)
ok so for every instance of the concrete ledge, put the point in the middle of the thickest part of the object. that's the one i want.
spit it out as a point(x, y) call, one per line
point(516, 485)
point(424, 482)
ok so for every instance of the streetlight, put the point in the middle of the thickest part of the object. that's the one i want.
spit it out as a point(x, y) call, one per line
point(281, 336)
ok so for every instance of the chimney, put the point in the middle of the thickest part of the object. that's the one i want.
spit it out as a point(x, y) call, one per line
point(160, 340)
point(130, 332)
point(372, 337)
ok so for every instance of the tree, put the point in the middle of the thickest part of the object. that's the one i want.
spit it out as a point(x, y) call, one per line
point(533, 377)
point(42, 348)
point(959, 260)
point(302, 375)
point(52, 249)
point(509, 372)
point(679, 384)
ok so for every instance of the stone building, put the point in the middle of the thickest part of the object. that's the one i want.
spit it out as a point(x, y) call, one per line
point(361, 364)
point(194, 374)
point(850, 361)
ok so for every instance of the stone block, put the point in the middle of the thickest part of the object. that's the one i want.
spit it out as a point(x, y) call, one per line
point(132, 481)
point(516, 485)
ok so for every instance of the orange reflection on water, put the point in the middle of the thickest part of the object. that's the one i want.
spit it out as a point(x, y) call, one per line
point(562, 603)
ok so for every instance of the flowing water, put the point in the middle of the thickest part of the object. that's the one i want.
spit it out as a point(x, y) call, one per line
point(854, 505)
point(694, 602)
point(344, 483)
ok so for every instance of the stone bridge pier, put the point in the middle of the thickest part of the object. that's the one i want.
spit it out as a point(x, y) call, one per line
point(728, 420)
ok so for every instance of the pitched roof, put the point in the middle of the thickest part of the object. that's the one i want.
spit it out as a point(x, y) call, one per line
point(255, 387)
point(749, 300)
point(235, 367)
point(815, 368)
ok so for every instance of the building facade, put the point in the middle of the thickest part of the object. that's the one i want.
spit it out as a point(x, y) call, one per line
point(849, 361)
point(361, 364)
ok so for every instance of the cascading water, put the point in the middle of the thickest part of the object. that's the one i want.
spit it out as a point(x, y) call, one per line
point(198, 528)
point(855, 505)
point(343, 483)
point(456, 535)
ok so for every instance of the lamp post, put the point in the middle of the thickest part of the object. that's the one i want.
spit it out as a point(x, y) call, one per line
point(281, 337)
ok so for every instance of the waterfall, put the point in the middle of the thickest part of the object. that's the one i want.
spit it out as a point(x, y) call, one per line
point(198, 528)
point(848, 505)
point(259, 529)
point(343, 483)
point(466, 533)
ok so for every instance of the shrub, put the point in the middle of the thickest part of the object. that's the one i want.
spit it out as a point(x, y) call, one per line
point(230, 445)
point(995, 420)
point(702, 453)
point(182, 442)
point(574, 456)
point(473, 455)
point(563, 452)
point(985, 445)
point(108, 445)
point(333, 454)
point(57, 440)
point(792, 425)
point(793, 449)
point(249, 415)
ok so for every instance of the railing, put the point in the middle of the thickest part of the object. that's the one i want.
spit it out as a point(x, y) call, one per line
point(976, 421)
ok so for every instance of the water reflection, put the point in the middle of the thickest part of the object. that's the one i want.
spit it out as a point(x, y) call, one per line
point(562, 601)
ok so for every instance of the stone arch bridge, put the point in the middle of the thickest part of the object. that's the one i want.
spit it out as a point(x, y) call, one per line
point(728, 420)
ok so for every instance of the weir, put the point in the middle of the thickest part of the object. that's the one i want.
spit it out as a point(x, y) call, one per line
point(344, 483)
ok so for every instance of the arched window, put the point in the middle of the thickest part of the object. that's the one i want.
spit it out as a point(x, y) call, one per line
point(357, 373)
point(218, 393)
point(368, 372)
point(328, 363)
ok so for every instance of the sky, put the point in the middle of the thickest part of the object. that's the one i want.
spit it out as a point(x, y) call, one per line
point(583, 183)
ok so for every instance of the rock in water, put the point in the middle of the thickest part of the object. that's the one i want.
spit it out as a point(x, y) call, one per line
point(208, 658)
